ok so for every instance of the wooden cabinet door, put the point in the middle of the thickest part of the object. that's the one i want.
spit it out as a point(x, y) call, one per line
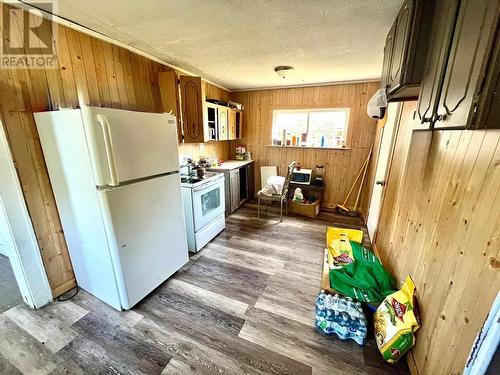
point(467, 63)
point(231, 124)
point(192, 99)
point(443, 22)
point(389, 41)
point(222, 123)
point(234, 182)
point(488, 116)
point(169, 93)
point(401, 38)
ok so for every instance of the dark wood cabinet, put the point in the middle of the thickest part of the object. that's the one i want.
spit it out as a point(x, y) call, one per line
point(467, 64)
point(169, 93)
point(442, 32)
point(389, 41)
point(404, 51)
point(489, 102)
point(192, 103)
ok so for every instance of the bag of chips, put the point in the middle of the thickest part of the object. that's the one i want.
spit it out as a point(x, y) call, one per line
point(395, 321)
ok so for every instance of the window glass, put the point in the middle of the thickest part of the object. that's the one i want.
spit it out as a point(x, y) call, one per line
point(310, 127)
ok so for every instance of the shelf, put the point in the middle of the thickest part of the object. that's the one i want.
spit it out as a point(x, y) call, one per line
point(312, 148)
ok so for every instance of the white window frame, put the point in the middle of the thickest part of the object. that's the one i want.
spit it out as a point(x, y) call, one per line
point(309, 110)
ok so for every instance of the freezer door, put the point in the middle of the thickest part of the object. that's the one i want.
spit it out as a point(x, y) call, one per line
point(145, 225)
point(127, 145)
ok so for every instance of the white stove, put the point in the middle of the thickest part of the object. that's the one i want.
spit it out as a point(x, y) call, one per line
point(204, 208)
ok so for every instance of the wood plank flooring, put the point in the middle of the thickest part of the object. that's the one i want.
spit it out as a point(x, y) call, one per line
point(243, 305)
point(10, 295)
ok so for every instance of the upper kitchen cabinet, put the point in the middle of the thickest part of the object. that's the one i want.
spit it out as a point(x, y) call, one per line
point(193, 109)
point(460, 79)
point(471, 69)
point(222, 122)
point(201, 120)
point(169, 97)
point(235, 126)
point(404, 51)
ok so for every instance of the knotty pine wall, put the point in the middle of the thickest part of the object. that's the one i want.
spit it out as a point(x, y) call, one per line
point(89, 71)
point(440, 223)
point(341, 166)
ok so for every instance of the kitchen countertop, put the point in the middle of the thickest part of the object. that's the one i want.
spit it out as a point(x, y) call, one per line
point(230, 165)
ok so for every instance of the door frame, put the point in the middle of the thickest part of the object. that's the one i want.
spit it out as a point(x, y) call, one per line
point(395, 133)
point(24, 254)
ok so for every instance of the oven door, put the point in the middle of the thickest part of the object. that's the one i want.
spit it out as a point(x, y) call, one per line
point(208, 203)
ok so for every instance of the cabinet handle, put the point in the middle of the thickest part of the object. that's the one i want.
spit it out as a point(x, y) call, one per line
point(439, 117)
point(381, 183)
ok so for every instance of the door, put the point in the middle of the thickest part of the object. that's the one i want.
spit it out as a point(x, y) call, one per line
point(383, 164)
point(239, 124)
point(232, 124)
point(222, 123)
point(442, 31)
point(467, 63)
point(400, 45)
point(127, 145)
point(234, 182)
point(389, 41)
point(146, 233)
point(169, 92)
point(208, 203)
point(192, 99)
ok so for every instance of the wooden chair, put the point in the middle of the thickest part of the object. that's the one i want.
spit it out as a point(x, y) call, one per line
point(282, 198)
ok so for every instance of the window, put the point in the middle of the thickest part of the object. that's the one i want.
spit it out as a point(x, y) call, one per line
point(310, 127)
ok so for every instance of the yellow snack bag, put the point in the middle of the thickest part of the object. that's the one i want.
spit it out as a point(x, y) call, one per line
point(395, 321)
point(339, 248)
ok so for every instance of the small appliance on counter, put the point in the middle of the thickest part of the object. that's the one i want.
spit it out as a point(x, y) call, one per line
point(204, 206)
point(301, 176)
point(319, 175)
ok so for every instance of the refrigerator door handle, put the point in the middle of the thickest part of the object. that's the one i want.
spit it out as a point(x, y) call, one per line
point(108, 144)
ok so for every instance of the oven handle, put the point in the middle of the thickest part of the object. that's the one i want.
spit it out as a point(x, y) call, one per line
point(211, 183)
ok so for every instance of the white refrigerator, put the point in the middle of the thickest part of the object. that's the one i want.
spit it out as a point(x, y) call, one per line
point(116, 183)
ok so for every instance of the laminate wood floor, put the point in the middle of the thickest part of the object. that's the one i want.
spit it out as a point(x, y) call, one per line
point(243, 305)
point(10, 295)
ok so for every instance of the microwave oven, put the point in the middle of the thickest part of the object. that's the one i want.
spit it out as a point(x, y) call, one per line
point(302, 176)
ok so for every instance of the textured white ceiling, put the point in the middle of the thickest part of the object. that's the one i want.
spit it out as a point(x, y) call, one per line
point(237, 43)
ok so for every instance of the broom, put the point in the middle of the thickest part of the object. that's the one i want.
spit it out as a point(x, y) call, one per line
point(342, 209)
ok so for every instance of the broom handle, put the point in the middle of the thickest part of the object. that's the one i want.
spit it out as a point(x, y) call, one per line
point(363, 179)
point(354, 184)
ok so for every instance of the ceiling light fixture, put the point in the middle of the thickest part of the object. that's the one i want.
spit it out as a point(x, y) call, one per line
point(283, 70)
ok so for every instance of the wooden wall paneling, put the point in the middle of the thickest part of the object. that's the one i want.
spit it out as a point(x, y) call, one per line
point(101, 74)
point(440, 224)
point(77, 64)
point(107, 55)
point(341, 165)
point(129, 78)
point(90, 72)
point(66, 69)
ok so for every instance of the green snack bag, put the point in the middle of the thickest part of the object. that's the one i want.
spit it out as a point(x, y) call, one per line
point(365, 279)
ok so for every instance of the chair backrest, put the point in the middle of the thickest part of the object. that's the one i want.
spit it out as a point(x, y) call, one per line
point(266, 172)
point(288, 177)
